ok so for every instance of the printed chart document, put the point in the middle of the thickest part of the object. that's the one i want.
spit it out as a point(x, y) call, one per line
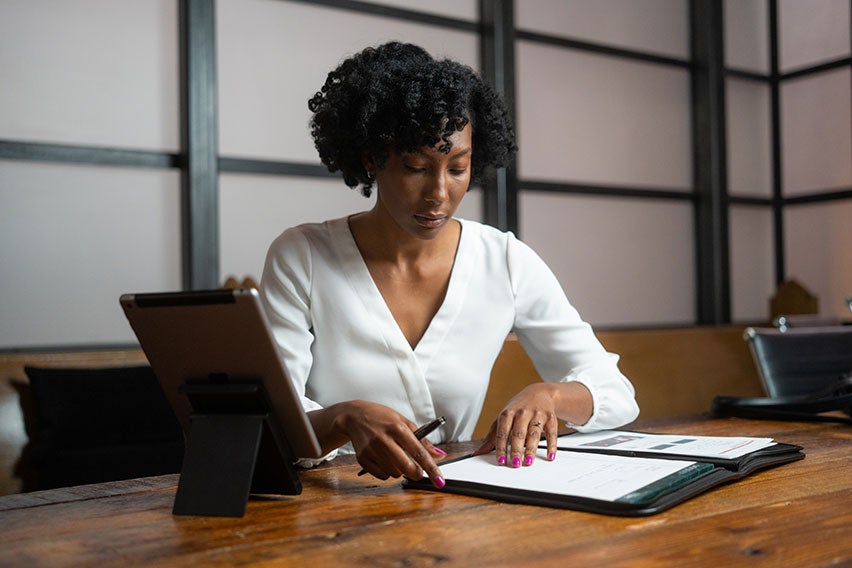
point(727, 447)
point(615, 472)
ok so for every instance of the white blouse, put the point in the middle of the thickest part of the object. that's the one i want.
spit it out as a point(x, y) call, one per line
point(339, 340)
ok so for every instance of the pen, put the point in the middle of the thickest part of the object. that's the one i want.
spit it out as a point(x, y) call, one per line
point(422, 432)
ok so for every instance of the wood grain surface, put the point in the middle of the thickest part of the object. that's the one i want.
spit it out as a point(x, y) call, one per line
point(799, 514)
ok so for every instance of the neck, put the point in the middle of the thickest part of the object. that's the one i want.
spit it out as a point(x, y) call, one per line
point(380, 239)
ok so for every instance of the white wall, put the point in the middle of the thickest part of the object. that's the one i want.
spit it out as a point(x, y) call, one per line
point(74, 237)
point(594, 119)
point(105, 73)
point(816, 152)
point(816, 124)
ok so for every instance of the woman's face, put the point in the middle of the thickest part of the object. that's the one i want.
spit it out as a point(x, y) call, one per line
point(421, 190)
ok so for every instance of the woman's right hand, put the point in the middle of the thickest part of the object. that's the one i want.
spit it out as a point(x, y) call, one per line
point(384, 440)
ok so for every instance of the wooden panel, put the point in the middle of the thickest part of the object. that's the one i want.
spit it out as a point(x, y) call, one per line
point(675, 371)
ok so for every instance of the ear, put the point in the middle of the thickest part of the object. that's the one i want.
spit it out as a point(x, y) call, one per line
point(369, 166)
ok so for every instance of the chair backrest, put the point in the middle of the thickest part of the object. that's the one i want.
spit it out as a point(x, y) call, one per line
point(807, 320)
point(800, 361)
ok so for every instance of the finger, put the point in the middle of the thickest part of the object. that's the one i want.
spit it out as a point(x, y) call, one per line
point(534, 431)
point(551, 431)
point(372, 468)
point(502, 443)
point(518, 439)
point(432, 449)
point(385, 459)
point(422, 462)
point(413, 456)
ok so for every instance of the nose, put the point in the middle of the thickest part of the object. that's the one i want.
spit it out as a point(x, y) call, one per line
point(437, 189)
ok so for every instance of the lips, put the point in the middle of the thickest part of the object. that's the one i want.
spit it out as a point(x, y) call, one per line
point(430, 220)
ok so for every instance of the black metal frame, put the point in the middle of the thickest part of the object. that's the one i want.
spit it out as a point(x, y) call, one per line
point(199, 191)
point(200, 163)
point(497, 54)
point(67, 153)
point(775, 102)
point(710, 168)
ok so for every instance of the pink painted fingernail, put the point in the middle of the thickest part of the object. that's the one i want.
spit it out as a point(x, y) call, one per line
point(501, 460)
point(528, 460)
point(551, 456)
point(440, 451)
point(516, 461)
point(439, 482)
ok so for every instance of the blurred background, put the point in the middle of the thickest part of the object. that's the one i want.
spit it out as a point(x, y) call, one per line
point(678, 159)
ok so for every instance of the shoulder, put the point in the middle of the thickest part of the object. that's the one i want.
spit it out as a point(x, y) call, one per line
point(303, 248)
point(301, 238)
point(484, 234)
point(493, 241)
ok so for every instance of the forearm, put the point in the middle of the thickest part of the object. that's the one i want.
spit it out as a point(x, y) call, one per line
point(326, 424)
point(572, 402)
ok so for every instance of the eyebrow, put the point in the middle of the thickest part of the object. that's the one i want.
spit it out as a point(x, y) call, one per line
point(464, 152)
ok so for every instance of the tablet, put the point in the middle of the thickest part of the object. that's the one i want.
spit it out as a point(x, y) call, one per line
point(220, 336)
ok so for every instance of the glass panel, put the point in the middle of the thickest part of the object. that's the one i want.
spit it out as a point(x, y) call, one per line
point(90, 72)
point(747, 35)
point(816, 139)
point(72, 240)
point(812, 32)
point(657, 26)
point(749, 138)
point(273, 56)
point(818, 255)
point(459, 9)
point(255, 209)
point(620, 261)
point(752, 258)
point(596, 119)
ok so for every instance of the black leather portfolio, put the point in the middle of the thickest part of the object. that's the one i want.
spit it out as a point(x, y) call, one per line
point(615, 472)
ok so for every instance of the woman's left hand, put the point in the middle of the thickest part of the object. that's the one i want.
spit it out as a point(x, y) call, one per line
point(536, 410)
point(518, 429)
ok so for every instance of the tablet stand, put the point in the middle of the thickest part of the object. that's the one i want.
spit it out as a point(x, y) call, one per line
point(235, 447)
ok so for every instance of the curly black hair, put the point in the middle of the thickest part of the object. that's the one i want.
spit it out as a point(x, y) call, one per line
point(397, 97)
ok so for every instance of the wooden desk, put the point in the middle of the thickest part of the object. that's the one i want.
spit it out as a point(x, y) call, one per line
point(799, 514)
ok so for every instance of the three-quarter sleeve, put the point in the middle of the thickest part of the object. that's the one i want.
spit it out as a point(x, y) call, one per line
point(561, 345)
point(285, 292)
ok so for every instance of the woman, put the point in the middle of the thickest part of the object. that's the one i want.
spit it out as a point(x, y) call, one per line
point(394, 316)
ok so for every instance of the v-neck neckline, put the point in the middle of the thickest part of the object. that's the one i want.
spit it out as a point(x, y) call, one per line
point(367, 289)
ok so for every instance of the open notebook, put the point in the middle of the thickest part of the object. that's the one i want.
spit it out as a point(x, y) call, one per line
point(616, 472)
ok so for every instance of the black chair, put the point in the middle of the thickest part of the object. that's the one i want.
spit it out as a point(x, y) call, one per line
point(807, 373)
point(800, 361)
point(807, 320)
point(95, 425)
